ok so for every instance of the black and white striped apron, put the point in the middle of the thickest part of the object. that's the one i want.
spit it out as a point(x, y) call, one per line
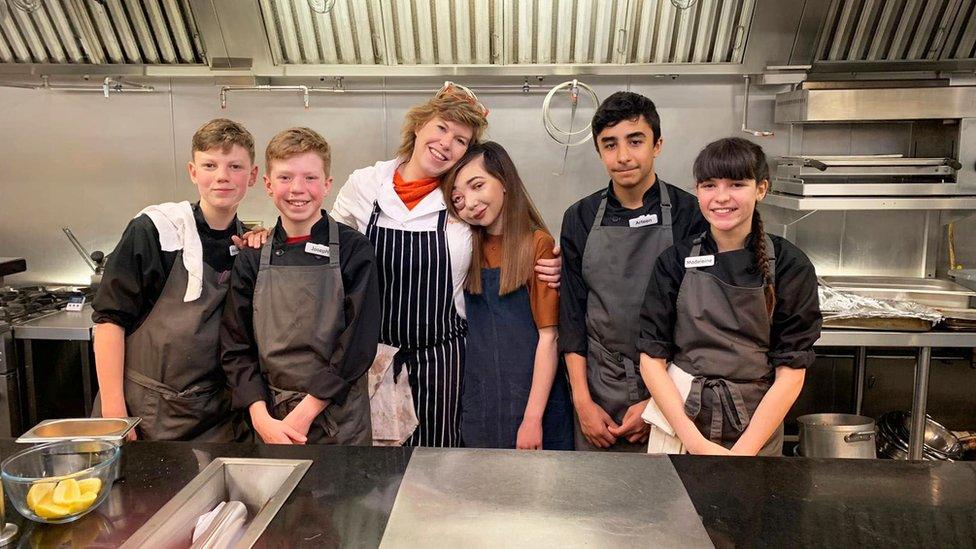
point(420, 319)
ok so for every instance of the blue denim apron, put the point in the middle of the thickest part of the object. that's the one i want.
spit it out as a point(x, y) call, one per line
point(498, 367)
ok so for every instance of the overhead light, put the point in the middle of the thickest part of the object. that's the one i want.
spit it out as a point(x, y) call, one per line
point(26, 5)
point(683, 4)
point(321, 6)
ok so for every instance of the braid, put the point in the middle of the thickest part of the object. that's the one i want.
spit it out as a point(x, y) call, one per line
point(759, 247)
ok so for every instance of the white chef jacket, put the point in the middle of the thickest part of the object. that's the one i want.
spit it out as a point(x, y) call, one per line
point(354, 206)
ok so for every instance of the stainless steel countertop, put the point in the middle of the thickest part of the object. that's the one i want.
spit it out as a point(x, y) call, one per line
point(505, 498)
point(872, 338)
point(62, 325)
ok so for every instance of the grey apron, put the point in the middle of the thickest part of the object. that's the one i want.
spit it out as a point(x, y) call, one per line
point(172, 375)
point(299, 314)
point(617, 266)
point(722, 336)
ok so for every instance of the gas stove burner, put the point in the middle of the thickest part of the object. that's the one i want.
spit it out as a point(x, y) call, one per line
point(27, 302)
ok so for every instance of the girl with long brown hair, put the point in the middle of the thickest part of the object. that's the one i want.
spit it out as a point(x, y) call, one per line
point(512, 396)
point(729, 319)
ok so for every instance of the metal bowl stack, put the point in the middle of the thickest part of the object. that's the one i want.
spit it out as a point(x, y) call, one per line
point(893, 431)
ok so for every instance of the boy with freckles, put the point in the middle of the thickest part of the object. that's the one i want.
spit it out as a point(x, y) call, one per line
point(302, 319)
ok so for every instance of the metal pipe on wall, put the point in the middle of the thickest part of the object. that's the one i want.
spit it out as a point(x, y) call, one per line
point(520, 89)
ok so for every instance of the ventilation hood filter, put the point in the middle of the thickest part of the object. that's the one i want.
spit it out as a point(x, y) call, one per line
point(99, 32)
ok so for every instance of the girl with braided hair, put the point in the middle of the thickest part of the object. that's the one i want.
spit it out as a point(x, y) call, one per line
point(729, 319)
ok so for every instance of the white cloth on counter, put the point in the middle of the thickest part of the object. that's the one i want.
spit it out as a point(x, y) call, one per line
point(391, 402)
point(354, 206)
point(177, 229)
point(205, 520)
point(662, 439)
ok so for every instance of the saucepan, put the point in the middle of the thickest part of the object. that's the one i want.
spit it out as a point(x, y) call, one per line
point(837, 436)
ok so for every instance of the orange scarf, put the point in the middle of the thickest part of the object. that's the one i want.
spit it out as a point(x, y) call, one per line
point(412, 192)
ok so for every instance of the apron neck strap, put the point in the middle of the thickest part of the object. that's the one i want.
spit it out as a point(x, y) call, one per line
point(376, 213)
point(665, 204)
point(442, 220)
point(770, 258)
point(697, 244)
point(600, 210)
point(266, 248)
point(333, 241)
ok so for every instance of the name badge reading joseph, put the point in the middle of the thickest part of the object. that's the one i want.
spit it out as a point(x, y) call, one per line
point(644, 220)
point(317, 249)
point(699, 261)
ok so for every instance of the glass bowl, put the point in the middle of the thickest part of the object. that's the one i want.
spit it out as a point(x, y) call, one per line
point(47, 465)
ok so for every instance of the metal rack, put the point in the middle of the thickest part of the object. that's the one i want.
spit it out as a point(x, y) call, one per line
point(873, 176)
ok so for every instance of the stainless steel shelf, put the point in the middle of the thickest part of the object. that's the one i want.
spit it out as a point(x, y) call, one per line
point(870, 338)
point(62, 325)
point(800, 203)
point(848, 105)
point(870, 190)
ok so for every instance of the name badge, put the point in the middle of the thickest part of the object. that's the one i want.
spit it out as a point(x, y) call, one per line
point(699, 261)
point(234, 250)
point(75, 303)
point(317, 249)
point(644, 220)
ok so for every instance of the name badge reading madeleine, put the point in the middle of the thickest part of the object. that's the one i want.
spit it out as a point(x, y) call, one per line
point(699, 261)
point(317, 249)
point(234, 250)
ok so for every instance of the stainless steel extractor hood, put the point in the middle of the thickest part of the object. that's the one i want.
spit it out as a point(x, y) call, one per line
point(506, 32)
point(302, 38)
point(313, 38)
point(106, 32)
point(893, 33)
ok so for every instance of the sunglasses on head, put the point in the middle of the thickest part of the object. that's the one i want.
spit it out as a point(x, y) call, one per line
point(462, 92)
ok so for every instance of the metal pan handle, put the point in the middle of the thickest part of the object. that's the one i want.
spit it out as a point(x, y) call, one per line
point(859, 436)
point(814, 163)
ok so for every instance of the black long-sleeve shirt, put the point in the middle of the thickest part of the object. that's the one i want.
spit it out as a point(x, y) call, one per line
point(356, 346)
point(686, 219)
point(137, 270)
point(796, 317)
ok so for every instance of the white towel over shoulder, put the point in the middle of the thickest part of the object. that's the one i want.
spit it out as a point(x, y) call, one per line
point(178, 231)
point(662, 439)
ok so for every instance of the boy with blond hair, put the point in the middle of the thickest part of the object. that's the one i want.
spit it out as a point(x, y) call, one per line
point(157, 310)
point(302, 320)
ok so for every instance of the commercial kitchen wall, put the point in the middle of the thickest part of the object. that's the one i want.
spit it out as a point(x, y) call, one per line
point(89, 163)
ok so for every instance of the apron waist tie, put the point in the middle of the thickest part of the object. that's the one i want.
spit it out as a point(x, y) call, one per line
point(635, 385)
point(727, 403)
point(197, 389)
point(281, 396)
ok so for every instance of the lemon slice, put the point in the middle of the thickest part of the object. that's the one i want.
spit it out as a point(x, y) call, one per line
point(66, 492)
point(84, 501)
point(90, 485)
point(38, 491)
point(49, 510)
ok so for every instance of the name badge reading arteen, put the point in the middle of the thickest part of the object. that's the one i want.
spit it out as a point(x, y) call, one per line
point(699, 261)
point(317, 249)
point(644, 220)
